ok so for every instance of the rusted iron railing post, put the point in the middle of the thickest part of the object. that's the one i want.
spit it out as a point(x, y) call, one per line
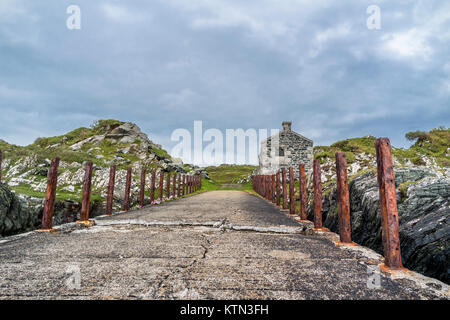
point(283, 176)
point(183, 189)
point(269, 185)
point(388, 205)
point(278, 188)
point(317, 195)
point(274, 190)
point(168, 186)
point(152, 188)
point(110, 195)
point(142, 189)
point(291, 191)
point(86, 202)
point(343, 198)
point(50, 195)
point(161, 186)
point(126, 203)
point(174, 185)
point(179, 186)
point(302, 186)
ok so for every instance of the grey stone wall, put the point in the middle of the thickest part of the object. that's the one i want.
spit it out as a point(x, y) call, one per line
point(284, 150)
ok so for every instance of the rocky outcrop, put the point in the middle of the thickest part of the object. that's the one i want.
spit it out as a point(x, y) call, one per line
point(423, 196)
point(15, 216)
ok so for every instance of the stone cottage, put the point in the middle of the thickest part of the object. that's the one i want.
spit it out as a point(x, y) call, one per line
point(284, 149)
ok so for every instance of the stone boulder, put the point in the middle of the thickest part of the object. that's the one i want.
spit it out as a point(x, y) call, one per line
point(15, 216)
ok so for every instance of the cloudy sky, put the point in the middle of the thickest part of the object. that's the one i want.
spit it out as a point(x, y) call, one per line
point(230, 63)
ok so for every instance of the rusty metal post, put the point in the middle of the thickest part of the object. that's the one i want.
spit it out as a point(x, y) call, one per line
point(161, 185)
point(317, 194)
point(168, 186)
point(291, 191)
point(110, 195)
point(126, 202)
point(183, 189)
point(179, 186)
point(302, 183)
point(142, 190)
point(343, 198)
point(50, 195)
point(174, 184)
point(86, 191)
point(283, 176)
point(388, 204)
point(278, 188)
point(269, 187)
point(153, 185)
point(274, 190)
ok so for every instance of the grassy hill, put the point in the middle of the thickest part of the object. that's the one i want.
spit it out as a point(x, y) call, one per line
point(434, 144)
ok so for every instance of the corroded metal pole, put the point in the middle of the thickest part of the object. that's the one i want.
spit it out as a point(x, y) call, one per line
point(317, 194)
point(85, 203)
point(50, 195)
point(126, 205)
point(291, 191)
point(388, 204)
point(183, 189)
point(269, 186)
point(152, 188)
point(274, 190)
point(168, 186)
point(161, 185)
point(110, 195)
point(302, 183)
point(278, 189)
point(174, 185)
point(283, 176)
point(343, 198)
point(142, 190)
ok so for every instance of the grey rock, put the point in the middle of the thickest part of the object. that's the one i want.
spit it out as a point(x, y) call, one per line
point(424, 214)
point(15, 216)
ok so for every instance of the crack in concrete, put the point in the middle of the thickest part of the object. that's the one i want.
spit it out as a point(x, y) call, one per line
point(222, 225)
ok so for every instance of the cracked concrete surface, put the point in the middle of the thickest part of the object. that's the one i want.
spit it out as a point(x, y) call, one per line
point(215, 245)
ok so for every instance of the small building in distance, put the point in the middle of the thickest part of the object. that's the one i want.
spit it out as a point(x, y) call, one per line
point(285, 149)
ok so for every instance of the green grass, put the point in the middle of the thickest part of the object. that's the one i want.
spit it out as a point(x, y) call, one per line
point(60, 195)
point(432, 144)
point(229, 174)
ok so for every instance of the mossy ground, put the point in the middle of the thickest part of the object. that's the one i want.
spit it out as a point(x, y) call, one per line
point(435, 143)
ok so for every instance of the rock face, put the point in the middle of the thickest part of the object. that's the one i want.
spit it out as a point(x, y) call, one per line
point(423, 197)
point(15, 216)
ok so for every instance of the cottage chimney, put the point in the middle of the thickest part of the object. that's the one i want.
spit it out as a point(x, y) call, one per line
point(287, 125)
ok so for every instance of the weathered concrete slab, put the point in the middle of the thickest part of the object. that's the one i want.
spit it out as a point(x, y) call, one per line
point(194, 260)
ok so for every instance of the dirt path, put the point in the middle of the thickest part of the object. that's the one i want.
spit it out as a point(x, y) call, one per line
point(215, 245)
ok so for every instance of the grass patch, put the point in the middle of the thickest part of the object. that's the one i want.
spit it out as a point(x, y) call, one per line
point(229, 174)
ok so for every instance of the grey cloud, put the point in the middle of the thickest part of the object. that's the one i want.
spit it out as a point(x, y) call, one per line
point(232, 64)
